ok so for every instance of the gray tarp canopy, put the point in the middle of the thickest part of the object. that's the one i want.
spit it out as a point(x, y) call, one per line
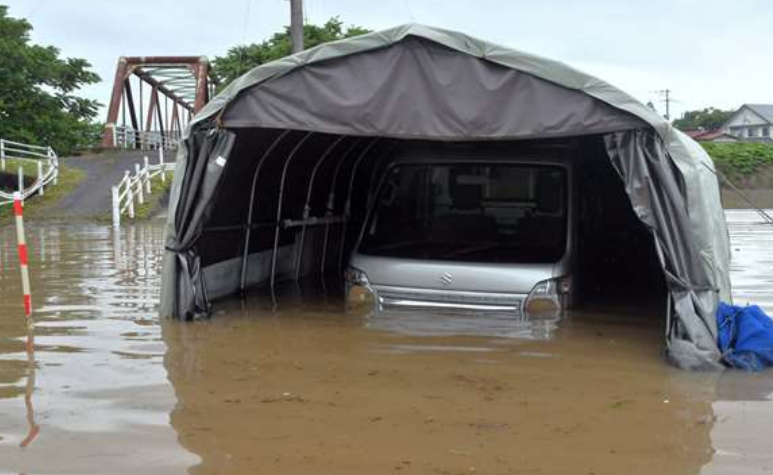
point(418, 82)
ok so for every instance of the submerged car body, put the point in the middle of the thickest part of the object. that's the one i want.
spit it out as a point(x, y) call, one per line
point(475, 228)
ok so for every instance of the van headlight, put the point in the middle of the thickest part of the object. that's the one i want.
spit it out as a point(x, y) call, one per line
point(358, 289)
point(548, 295)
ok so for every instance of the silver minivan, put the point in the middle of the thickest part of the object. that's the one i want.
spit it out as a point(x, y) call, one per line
point(475, 229)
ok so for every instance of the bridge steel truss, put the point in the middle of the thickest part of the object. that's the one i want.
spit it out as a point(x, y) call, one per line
point(179, 86)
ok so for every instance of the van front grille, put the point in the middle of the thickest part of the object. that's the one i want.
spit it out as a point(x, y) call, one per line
point(410, 297)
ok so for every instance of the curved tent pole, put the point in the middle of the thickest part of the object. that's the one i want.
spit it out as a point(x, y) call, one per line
point(372, 178)
point(348, 205)
point(374, 186)
point(307, 206)
point(278, 223)
point(331, 200)
point(250, 212)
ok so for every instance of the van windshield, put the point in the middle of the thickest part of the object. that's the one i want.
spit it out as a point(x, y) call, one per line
point(509, 213)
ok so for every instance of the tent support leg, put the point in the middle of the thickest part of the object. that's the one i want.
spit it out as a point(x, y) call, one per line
point(250, 212)
point(372, 180)
point(331, 201)
point(279, 207)
point(348, 205)
point(307, 204)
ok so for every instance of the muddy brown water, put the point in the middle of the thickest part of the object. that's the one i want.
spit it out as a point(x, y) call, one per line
point(306, 388)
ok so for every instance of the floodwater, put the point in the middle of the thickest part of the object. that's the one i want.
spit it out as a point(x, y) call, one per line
point(108, 388)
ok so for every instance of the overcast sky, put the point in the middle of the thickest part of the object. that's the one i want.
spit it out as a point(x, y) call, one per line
point(708, 52)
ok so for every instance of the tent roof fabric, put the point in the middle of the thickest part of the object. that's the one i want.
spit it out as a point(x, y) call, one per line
point(417, 89)
point(543, 68)
point(264, 98)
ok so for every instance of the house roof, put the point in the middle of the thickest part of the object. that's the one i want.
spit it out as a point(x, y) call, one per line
point(707, 135)
point(694, 133)
point(714, 134)
point(763, 110)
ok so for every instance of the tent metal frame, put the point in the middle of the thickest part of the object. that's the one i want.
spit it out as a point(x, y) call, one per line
point(251, 209)
point(278, 224)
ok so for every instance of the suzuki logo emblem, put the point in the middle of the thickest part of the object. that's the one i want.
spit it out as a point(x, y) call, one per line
point(446, 278)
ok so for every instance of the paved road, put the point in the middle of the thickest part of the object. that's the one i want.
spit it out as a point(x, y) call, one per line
point(92, 197)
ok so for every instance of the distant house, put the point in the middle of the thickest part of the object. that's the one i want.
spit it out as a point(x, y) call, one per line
point(751, 123)
point(711, 136)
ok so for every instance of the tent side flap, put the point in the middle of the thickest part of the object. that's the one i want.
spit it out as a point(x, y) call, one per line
point(642, 161)
point(197, 182)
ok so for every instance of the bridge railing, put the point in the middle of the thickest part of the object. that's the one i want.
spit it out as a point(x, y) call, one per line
point(133, 189)
point(17, 156)
point(129, 138)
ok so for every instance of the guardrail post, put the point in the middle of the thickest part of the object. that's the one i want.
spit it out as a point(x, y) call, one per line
point(21, 179)
point(161, 164)
point(138, 174)
point(55, 161)
point(2, 154)
point(129, 193)
point(40, 177)
point(147, 174)
point(21, 242)
point(116, 207)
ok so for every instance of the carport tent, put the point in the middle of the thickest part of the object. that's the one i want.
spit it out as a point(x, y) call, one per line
point(293, 148)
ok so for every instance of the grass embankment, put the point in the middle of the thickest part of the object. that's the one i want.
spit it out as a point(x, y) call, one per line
point(740, 161)
point(749, 166)
point(67, 180)
point(158, 191)
point(29, 167)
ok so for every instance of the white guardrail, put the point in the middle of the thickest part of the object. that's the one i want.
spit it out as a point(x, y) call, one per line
point(46, 165)
point(133, 188)
point(127, 137)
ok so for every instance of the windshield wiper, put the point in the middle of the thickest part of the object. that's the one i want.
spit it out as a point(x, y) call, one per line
point(396, 245)
point(471, 249)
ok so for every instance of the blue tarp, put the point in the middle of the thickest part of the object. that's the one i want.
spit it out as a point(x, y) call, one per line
point(745, 336)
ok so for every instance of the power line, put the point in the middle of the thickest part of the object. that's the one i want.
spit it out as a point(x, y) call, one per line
point(410, 11)
point(35, 8)
point(403, 5)
point(244, 36)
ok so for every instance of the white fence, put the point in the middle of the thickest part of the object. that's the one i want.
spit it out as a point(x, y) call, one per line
point(132, 190)
point(127, 137)
point(45, 162)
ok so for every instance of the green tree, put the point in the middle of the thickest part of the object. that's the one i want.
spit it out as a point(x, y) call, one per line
point(241, 59)
point(37, 86)
point(704, 119)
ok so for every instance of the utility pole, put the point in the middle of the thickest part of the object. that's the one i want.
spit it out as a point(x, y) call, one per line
point(296, 24)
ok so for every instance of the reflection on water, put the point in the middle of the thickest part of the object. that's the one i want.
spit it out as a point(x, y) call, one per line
point(500, 324)
point(101, 400)
point(29, 388)
point(743, 407)
point(310, 388)
point(752, 266)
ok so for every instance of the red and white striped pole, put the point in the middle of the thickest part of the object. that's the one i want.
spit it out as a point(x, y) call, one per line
point(18, 210)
